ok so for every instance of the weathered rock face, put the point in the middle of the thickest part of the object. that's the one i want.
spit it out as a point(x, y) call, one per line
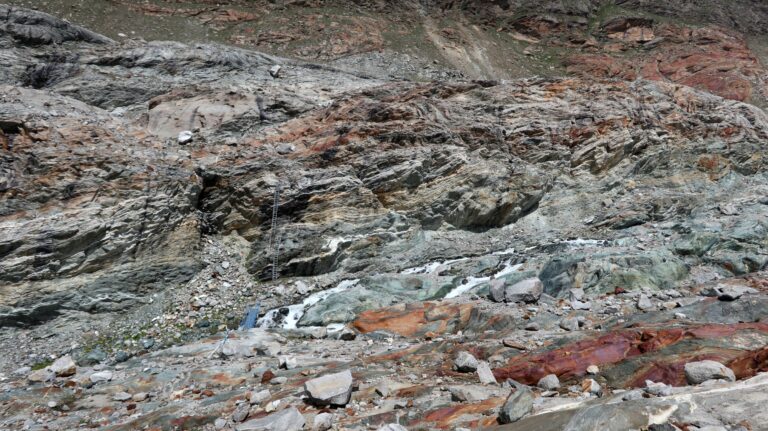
point(619, 225)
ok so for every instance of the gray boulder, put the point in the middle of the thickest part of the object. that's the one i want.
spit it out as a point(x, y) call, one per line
point(528, 291)
point(549, 382)
point(64, 367)
point(701, 371)
point(498, 286)
point(285, 420)
point(517, 405)
point(332, 389)
point(465, 362)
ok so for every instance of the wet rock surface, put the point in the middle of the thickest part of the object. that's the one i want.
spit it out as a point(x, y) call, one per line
point(544, 253)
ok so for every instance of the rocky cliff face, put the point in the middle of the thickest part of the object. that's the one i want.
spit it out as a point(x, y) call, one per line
point(610, 212)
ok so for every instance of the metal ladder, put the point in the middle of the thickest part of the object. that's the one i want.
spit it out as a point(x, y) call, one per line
point(274, 239)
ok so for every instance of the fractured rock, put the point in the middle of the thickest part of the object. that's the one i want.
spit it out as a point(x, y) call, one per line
point(485, 374)
point(331, 389)
point(517, 405)
point(701, 371)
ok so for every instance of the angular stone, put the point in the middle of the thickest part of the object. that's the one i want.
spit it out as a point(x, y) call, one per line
point(289, 419)
point(527, 291)
point(517, 405)
point(592, 387)
point(392, 427)
point(496, 291)
point(485, 374)
point(332, 389)
point(64, 367)
point(644, 303)
point(549, 382)
point(701, 371)
point(465, 362)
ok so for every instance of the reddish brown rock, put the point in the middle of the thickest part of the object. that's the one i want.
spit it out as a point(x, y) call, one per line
point(666, 350)
point(414, 319)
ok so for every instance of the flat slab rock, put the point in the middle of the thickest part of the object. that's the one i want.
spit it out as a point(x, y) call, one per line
point(289, 419)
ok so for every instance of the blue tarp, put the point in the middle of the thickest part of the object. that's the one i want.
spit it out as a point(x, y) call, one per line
point(251, 314)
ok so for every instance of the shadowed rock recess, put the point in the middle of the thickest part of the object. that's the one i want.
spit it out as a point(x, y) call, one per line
point(506, 215)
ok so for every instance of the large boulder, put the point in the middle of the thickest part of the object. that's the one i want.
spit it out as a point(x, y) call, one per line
point(517, 405)
point(701, 371)
point(527, 291)
point(331, 389)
